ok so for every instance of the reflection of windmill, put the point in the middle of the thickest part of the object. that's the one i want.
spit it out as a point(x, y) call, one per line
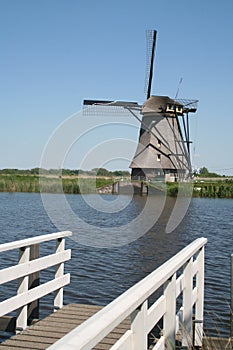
point(164, 146)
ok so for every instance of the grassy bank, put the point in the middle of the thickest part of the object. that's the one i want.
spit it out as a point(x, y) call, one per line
point(206, 189)
point(31, 183)
point(79, 184)
point(214, 189)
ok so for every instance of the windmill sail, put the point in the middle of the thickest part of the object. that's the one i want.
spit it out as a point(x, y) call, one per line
point(151, 42)
point(164, 147)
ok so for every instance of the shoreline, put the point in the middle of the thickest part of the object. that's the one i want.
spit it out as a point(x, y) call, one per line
point(221, 188)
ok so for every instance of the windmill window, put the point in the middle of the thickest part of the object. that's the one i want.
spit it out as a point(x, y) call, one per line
point(170, 108)
point(179, 109)
point(158, 157)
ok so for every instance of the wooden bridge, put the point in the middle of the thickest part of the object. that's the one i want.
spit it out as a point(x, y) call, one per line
point(125, 323)
point(46, 332)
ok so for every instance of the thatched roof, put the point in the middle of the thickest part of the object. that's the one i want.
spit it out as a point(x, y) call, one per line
point(155, 104)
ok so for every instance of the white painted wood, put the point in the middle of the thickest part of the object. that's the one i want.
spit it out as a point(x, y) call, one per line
point(194, 294)
point(195, 267)
point(177, 324)
point(124, 343)
point(179, 285)
point(187, 304)
point(27, 299)
point(160, 345)
point(169, 319)
point(138, 327)
point(14, 272)
point(199, 309)
point(34, 281)
point(179, 318)
point(155, 313)
point(21, 319)
point(88, 334)
point(34, 240)
point(23, 299)
point(58, 299)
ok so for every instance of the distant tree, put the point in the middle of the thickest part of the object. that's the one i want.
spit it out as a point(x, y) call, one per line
point(121, 173)
point(69, 172)
point(101, 172)
point(203, 171)
point(10, 171)
point(35, 171)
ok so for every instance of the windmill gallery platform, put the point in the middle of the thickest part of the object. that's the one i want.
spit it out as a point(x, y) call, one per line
point(126, 323)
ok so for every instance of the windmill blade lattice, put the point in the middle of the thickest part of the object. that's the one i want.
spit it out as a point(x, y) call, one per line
point(106, 108)
point(150, 53)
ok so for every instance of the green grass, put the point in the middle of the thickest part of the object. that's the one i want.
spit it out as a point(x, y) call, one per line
point(213, 189)
point(75, 185)
point(19, 183)
point(216, 189)
point(30, 183)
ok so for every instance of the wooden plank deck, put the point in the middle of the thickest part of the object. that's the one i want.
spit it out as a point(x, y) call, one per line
point(217, 343)
point(45, 332)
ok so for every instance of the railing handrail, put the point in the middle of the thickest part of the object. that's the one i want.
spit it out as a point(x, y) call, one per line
point(27, 272)
point(90, 332)
point(33, 240)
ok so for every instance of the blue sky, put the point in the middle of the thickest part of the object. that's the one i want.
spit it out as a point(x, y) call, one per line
point(55, 53)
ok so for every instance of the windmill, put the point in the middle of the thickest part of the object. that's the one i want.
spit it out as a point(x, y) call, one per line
point(163, 150)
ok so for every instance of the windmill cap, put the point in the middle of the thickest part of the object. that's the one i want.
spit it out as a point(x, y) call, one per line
point(157, 104)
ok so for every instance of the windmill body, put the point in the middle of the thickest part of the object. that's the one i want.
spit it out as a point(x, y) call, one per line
point(161, 152)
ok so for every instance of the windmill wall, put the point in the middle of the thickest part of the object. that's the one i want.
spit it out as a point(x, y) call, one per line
point(161, 152)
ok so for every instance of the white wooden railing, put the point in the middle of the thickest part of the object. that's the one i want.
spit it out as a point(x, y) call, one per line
point(182, 275)
point(27, 272)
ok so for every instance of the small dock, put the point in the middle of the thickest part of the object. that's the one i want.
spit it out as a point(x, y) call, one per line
point(125, 187)
point(46, 332)
point(126, 323)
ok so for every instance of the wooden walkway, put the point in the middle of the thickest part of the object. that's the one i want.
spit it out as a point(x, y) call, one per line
point(131, 311)
point(46, 332)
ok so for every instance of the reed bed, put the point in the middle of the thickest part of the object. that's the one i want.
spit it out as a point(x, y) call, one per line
point(30, 183)
point(76, 185)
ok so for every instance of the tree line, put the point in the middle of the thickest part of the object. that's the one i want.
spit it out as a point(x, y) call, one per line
point(204, 172)
point(67, 172)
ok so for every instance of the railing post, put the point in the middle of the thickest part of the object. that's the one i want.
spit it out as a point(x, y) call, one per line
point(34, 281)
point(59, 272)
point(187, 304)
point(21, 320)
point(169, 319)
point(138, 326)
point(199, 308)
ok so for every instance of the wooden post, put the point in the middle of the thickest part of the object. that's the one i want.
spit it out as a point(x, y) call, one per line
point(187, 304)
point(21, 321)
point(138, 326)
point(199, 308)
point(231, 316)
point(34, 281)
point(115, 187)
point(169, 319)
point(59, 272)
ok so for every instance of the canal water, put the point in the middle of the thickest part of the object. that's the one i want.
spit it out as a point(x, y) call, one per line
point(99, 274)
